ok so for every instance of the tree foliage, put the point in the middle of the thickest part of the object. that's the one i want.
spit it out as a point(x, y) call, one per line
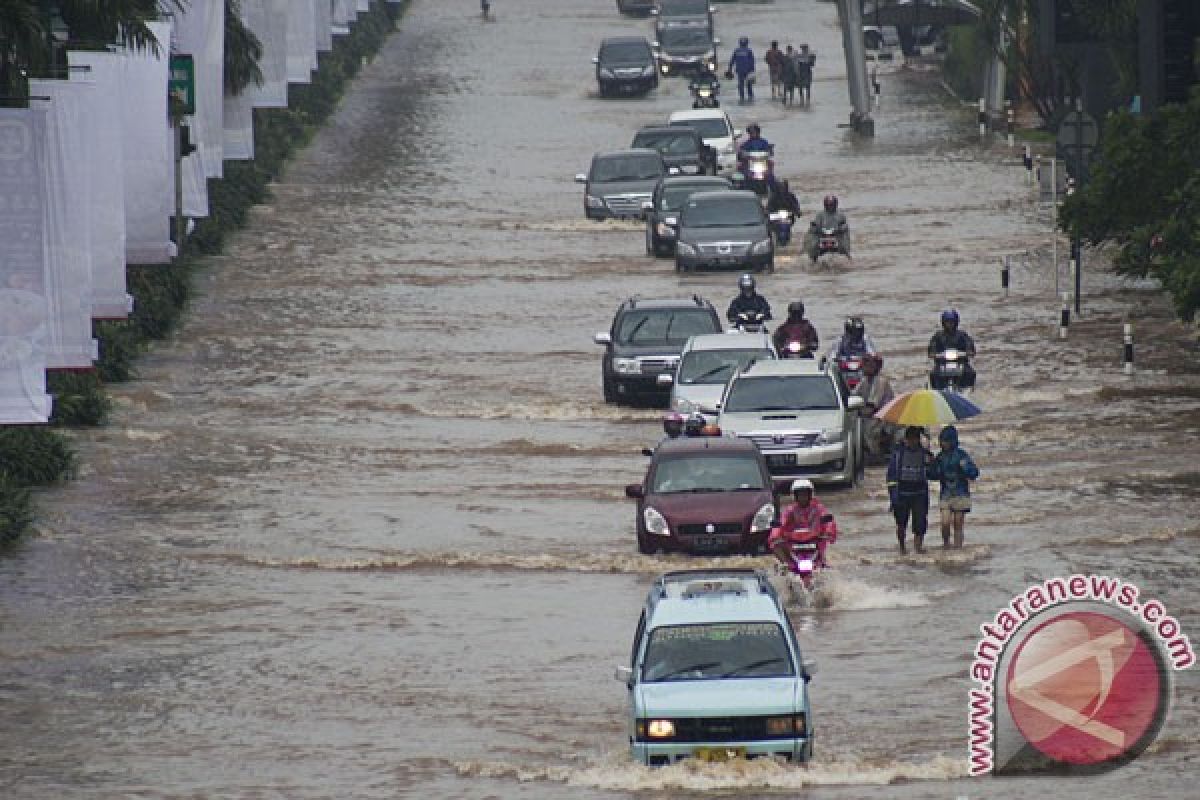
point(1144, 195)
point(243, 51)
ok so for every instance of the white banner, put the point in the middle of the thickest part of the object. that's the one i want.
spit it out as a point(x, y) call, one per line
point(344, 11)
point(24, 317)
point(149, 157)
point(268, 20)
point(67, 208)
point(200, 32)
point(106, 196)
point(323, 10)
point(301, 41)
point(239, 126)
point(364, 6)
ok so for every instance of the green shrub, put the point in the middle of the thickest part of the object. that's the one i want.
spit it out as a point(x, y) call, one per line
point(79, 398)
point(16, 511)
point(967, 50)
point(34, 455)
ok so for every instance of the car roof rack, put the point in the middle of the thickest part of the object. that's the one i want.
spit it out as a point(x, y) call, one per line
point(712, 576)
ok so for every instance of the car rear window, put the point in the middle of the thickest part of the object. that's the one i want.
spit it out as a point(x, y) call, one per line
point(717, 650)
point(662, 325)
point(736, 209)
point(701, 367)
point(669, 144)
point(627, 168)
point(782, 393)
point(705, 472)
point(626, 52)
point(715, 128)
point(675, 8)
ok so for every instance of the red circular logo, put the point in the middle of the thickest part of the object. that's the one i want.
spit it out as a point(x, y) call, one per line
point(1085, 689)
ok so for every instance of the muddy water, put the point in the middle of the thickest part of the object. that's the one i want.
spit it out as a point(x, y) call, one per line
point(359, 530)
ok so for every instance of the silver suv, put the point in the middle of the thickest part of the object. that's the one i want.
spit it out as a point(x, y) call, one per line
point(706, 365)
point(798, 416)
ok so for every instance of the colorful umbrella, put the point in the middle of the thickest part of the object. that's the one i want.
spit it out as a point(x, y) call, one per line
point(926, 407)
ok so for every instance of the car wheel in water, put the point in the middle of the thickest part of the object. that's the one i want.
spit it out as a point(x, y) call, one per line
point(646, 548)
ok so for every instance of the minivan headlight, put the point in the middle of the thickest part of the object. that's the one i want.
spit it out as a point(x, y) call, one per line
point(832, 437)
point(660, 729)
point(762, 248)
point(655, 522)
point(627, 366)
point(763, 518)
point(791, 725)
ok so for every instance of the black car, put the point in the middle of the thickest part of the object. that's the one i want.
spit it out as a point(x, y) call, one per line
point(680, 147)
point(724, 230)
point(641, 7)
point(618, 183)
point(696, 13)
point(645, 340)
point(662, 210)
point(625, 65)
point(685, 49)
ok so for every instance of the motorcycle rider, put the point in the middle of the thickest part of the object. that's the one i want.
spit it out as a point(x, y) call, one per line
point(704, 77)
point(782, 199)
point(854, 341)
point(796, 329)
point(673, 425)
point(951, 338)
point(742, 63)
point(806, 520)
point(908, 487)
point(829, 218)
point(876, 391)
point(748, 301)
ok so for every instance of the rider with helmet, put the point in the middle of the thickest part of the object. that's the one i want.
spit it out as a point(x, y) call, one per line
point(854, 342)
point(673, 425)
point(951, 338)
point(876, 391)
point(796, 329)
point(757, 144)
point(706, 77)
point(806, 520)
point(742, 63)
point(748, 301)
point(829, 218)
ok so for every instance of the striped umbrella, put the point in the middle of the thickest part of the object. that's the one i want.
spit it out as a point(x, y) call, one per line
point(927, 407)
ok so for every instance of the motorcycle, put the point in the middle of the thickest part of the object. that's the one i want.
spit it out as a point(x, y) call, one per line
point(781, 225)
point(950, 370)
point(704, 95)
point(750, 322)
point(801, 574)
point(758, 170)
point(795, 348)
point(828, 242)
point(851, 370)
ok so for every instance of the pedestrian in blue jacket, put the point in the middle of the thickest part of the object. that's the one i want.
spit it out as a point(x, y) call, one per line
point(742, 62)
point(955, 469)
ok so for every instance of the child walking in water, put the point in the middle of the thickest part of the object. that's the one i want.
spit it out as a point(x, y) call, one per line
point(955, 469)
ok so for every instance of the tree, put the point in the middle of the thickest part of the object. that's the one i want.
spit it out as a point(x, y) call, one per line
point(22, 48)
point(243, 51)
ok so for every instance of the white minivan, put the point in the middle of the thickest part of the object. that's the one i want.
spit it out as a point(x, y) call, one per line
point(706, 364)
point(716, 130)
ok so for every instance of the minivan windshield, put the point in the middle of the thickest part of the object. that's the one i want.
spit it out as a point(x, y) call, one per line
point(717, 650)
point(672, 143)
point(627, 168)
point(626, 53)
point(782, 393)
point(731, 211)
point(664, 325)
point(705, 472)
point(703, 367)
point(684, 38)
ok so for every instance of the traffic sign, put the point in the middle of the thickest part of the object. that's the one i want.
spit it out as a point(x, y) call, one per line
point(181, 86)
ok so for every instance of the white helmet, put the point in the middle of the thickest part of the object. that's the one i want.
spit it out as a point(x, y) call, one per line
point(801, 483)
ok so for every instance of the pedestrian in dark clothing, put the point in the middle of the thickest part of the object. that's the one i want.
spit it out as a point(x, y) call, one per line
point(788, 75)
point(908, 487)
point(804, 74)
point(742, 63)
point(774, 59)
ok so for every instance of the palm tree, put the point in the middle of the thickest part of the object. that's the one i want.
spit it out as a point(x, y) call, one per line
point(243, 50)
point(22, 48)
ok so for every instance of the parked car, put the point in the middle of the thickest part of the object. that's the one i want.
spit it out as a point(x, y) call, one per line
point(705, 494)
point(644, 341)
point(638, 7)
point(618, 182)
point(690, 13)
point(680, 147)
point(685, 49)
point(662, 209)
point(715, 129)
point(724, 230)
point(625, 65)
point(708, 362)
point(716, 672)
point(797, 414)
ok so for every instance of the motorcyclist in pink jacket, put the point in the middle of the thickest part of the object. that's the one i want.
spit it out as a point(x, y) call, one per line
point(805, 520)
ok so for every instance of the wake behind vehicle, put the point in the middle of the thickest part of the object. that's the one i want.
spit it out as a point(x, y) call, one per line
point(662, 209)
point(724, 230)
point(618, 182)
point(625, 65)
point(685, 49)
point(704, 494)
point(682, 149)
point(799, 417)
point(715, 129)
point(950, 370)
point(716, 672)
point(644, 342)
point(707, 363)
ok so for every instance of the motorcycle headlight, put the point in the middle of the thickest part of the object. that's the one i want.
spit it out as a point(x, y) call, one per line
point(593, 201)
point(627, 366)
point(762, 248)
point(683, 248)
point(763, 518)
point(664, 230)
point(832, 437)
point(655, 522)
point(665, 69)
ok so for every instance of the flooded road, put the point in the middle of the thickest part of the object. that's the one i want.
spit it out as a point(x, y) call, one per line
point(359, 531)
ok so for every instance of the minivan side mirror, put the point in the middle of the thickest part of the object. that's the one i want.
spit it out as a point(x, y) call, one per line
point(603, 337)
point(624, 675)
point(634, 491)
point(809, 666)
point(854, 402)
point(581, 177)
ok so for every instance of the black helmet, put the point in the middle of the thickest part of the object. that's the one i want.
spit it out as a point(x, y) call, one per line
point(673, 424)
point(746, 284)
point(753, 130)
point(950, 315)
point(830, 203)
point(744, 41)
point(855, 327)
point(796, 311)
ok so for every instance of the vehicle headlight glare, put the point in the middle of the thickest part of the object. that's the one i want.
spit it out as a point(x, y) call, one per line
point(763, 518)
point(627, 366)
point(656, 523)
point(660, 729)
point(762, 248)
point(665, 69)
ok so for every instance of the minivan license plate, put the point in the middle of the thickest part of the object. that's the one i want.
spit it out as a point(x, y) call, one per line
point(719, 753)
point(781, 459)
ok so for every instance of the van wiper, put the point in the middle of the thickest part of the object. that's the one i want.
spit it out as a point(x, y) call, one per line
point(692, 668)
point(754, 665)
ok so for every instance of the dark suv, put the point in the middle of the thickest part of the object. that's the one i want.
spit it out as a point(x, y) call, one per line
point(705, 494)
point(625, 65)
point(684, 12)
point(685, 48)
point(662, 209)
point(680, 147)
point(645, 340)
